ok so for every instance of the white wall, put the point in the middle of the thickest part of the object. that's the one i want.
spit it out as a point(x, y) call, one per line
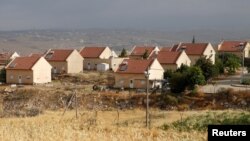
point(183, 59)
point(156, 71)
point(75, 62)
point(210, 51)
point(106, 54)
point(42, 71)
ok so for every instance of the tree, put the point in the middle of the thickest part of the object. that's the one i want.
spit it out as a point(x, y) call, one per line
point(145, 55)
point(123, 53)
point(208, 69)
point(183, 68)
point(195, 77)
point(168, 74)
point(178, 82)
point(231, 65)
point(193, 40)
point(231, 62)
point(186, 77)
point(219, 65)
point(2, 75)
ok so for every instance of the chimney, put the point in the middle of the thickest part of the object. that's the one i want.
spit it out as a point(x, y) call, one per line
point(183, 48)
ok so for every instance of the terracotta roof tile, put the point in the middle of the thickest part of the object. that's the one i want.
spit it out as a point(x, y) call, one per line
point(36, 54)
point(134, 66)
point(191, 48)
point(23, 63)
point(58, 54)
point(168, 57)
point(92, 52)
point(166, 49)
point(140, 50)
point(4, 58)
point(232, 46)
point(175, 47)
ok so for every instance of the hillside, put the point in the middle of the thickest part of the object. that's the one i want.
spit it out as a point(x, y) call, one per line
point(25, 42)
point(22, 101)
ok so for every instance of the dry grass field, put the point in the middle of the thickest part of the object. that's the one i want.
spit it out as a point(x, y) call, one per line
point(92, 125)
point(103, 125)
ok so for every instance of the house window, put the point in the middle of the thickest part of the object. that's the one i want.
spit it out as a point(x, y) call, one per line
point(121, 81)
point(11, 77)
point(88, 67)
point(142, 82)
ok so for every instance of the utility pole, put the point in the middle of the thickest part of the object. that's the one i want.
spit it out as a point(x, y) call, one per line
point(147, 98)
point(76, 105)
point(242, 69)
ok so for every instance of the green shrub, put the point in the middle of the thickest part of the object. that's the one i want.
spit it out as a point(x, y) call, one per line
point(168, 74)
point(219, 65)
point(230, 61)
point(195, 77)
point(201, 122)
point(195, 91)
point(178, 82)
point(245, 81)
point(208, 69)
point(169, 99)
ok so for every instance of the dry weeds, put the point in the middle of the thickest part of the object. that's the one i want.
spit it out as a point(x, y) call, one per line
point(92, 125)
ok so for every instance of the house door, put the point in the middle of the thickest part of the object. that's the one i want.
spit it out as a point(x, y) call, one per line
point(20, 79)
point(54, 70)
point(88, 66)
point(95, 67)
point(131, 84)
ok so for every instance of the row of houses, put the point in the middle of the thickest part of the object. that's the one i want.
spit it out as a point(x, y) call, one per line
point(129, 72)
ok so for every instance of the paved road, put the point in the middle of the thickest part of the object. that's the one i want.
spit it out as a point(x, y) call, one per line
point(227, 83)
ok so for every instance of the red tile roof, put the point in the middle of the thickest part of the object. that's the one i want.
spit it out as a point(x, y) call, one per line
point(140, 50)
point(58, 54)
point(36, 54)
point(92, 52)
point(232, 46)
point(191, 48)
point(4, 58)
point(175, 47)
point(130, 66)
point(23, 63)
point(166, 49)
point(168, 57)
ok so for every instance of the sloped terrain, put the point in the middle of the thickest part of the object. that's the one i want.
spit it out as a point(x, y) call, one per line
point(33, 100)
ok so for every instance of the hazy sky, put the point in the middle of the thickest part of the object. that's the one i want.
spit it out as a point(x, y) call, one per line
point(136, 14)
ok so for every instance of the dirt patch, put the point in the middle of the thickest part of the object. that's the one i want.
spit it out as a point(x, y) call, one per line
point(33, 100)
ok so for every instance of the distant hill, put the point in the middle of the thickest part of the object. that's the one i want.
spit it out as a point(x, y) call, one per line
point(29, 41)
